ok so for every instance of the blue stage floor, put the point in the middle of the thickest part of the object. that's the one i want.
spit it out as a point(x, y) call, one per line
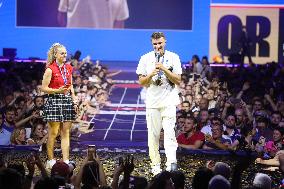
point(123, 122)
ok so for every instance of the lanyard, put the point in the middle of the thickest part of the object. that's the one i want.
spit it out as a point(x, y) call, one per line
point(63, 74)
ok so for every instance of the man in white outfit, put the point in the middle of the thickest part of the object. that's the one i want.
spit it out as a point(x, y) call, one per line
point(105, 14)
point(160, 71)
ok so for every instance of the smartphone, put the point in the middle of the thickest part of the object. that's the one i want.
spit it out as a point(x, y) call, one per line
point(92, 152)
point(196, 77)
point(120, 160)
point(210, 164)
point(235, 100)
point(207, 136)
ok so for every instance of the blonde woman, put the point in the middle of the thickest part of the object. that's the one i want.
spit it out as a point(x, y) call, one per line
point(38, 134)
point(59, 109)
point(18, 137)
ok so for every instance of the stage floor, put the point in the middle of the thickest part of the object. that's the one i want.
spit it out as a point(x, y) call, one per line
point(123, 121)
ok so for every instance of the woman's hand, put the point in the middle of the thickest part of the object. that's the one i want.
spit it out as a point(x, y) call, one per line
point(76, 107)
point(62, 90)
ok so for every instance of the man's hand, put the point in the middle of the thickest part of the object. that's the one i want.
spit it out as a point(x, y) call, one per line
point(119, 169)
point(246, 86)
point(128, 164)
point(160, 66)
point(243, 104)
point(35, 114)
point(209, 138)
point(30, 162)
point(154, 72)
point(228, 104)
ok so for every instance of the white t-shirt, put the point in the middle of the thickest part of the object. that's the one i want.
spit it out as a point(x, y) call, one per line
point(94, 13)
point(197, 68)
point(92, 100)
point(163, 95)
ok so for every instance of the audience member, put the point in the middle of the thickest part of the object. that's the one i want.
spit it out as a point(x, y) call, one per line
point(201, 178)
point(218, 182)
point(190, 138)
point(262, 181)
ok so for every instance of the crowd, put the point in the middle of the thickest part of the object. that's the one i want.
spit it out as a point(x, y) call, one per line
point(228, 108)
point(92, 173)
point(232, 108)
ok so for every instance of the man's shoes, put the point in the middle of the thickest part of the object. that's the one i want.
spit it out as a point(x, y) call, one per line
point(172, 167)
point(156, 169)
point(50, 163)
point(57, 149)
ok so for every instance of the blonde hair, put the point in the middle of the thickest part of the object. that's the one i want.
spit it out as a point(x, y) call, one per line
point(15, 134)
point(51, 53)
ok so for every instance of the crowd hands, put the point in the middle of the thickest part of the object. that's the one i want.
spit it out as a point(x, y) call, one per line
point(21, 100)
point(91, 174)
point(232, 108)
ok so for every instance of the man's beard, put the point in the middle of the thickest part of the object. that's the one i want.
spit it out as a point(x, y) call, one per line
point(10, 122)
point(231, 126)
point(188, 132)
point(40, 107)
point(239, 122)
point(273, 125)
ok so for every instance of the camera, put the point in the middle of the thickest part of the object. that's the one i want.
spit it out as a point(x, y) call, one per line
point(92, 152)
point(120, 161)
point(196, 77)
point(235, 100)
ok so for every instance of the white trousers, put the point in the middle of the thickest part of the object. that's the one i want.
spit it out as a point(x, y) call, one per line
point(158, 118)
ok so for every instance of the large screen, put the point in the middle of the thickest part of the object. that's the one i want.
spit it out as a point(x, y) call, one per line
point(32, 26)
point(106, 14)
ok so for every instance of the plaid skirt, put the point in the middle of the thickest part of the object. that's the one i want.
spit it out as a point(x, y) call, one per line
point(59, 108)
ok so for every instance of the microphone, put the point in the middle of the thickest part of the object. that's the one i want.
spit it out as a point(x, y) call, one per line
point(159, 79)
point(158, 56)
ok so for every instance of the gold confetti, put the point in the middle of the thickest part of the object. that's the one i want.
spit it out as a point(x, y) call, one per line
point(188, 164)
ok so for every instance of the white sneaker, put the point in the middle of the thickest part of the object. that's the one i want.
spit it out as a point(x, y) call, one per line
point(172, 167)
point(57, 149)
point(156, 169)
point(50, 163)
point(75, 150)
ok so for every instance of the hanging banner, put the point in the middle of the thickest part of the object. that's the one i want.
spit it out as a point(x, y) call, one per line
point(237, 32)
